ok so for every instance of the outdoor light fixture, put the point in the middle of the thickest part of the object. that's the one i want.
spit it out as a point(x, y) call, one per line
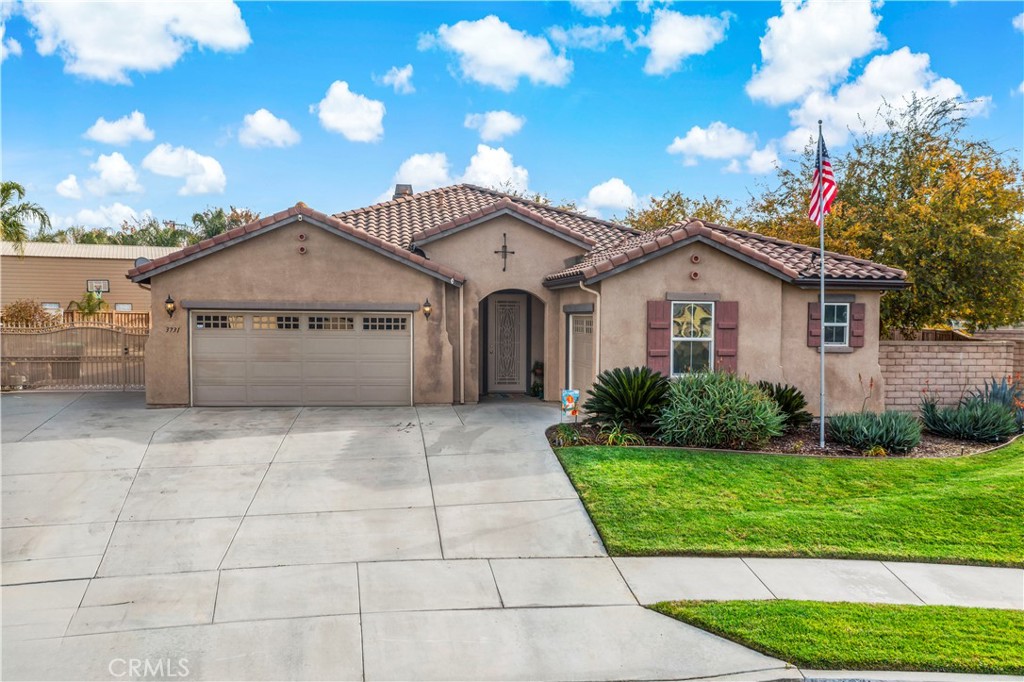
point(427, 308)
point(169, 306)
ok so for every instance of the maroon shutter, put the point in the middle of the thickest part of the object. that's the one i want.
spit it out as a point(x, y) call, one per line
point(858, 314)
point(727, 337)
point(659, 336)
point(814, 324)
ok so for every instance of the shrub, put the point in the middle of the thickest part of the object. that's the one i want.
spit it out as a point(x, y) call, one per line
point(631, 396)
point(974, 419)
point(718, 410)
point(617, 435)
point(791, 402)
point(27, 313)
point(1004, 392)
point(876, 433)
point(567, 435)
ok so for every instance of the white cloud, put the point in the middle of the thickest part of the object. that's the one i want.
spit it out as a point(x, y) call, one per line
point(595, 8)
point(203, 174)
point(493, 53)
point(596, 38)
point(764, 160)
point(400, 79)
point(717, 141)
point(103, 217)
point(495, 125)
point(114, 175)
point(612, 194)
point(104, 41)
point(733, 166)
point(122, 131)
point(422, 171)
point(493, 167)
point(262, 129)
point(68, 188)
point(891, 78)
point(811, 46)
point(1018, 22)
point(673, 37)
point(9, 47)
point(358, 118)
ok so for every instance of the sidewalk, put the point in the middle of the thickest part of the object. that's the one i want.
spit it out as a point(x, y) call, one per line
point(656, 579)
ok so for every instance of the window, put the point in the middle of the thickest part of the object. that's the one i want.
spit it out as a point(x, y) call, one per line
point(384, 324)
point(693, 341)
point(331, 322)
point(219, 322)
point(836, 330)
point(582, 325)
point(275, 322)
point(123, 307)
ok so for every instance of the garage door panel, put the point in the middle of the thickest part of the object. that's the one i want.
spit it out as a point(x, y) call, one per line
point(275, 347)
point(384, 371)
point(212, 371)
point(383, 395)
point(326, 371)
point(220, 395)
point(331, 346)
point(275, 394)
point(268, 371)
point(219, 344)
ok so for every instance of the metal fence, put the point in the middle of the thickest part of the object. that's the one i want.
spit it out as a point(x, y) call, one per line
point(84, 355)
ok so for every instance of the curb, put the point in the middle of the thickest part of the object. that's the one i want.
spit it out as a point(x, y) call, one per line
point(900, 676)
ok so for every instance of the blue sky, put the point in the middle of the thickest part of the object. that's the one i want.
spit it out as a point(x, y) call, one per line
point(603, 103)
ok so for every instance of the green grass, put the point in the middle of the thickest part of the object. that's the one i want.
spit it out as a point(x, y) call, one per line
point(828, 636)
point(648, 501)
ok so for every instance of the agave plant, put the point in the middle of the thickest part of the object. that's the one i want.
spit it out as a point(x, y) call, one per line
point(1004, 391)
point(629, 396)
point(791, 402)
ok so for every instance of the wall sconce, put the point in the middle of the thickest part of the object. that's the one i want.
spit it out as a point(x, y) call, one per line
point(427, 308)
point(169, 306)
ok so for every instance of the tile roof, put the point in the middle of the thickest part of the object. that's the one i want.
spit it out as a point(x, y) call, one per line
point(300, 209)
point(505, 205)
point(99, 251)
point(791, 261)
point(399, 220)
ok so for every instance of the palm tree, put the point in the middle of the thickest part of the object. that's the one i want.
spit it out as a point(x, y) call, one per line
point(89, 305)
point(14, 212)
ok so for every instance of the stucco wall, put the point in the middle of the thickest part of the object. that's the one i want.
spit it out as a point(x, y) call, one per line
point(772, 324)
point(538, 253)
point(268, 267)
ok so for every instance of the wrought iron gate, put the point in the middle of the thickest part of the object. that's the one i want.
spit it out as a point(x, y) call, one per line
point(82, 355)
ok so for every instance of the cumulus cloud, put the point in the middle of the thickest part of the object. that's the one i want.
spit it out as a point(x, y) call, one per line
point(114, 175)
point(68, 188)
point(489, 167)
point(357, 117)
point(673, 37)
point(262, 129)
point(422, 171)
point(495, 125)
point(811, 46)
point(123, 131)
point(595, 8)
point(400, 79)
point(596, 38)
point(202, 174)
point(613, 194)
point(9, 47)
point(103, 217)
point(104, 41)
point(764, 160)
point(892, 78)
point(717, 141)
point(493, 53)
point(1018, 22)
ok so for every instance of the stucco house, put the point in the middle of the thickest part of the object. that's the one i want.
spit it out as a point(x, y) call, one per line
point(446, 295)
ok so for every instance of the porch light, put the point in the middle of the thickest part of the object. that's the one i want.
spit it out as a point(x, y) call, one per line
point(427, 308)
point(169, 306)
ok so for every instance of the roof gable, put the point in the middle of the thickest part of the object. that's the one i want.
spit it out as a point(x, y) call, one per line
point(502, 207)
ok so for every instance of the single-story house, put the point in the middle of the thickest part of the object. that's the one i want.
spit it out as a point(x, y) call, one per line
point(56, 274)
point(446, 295)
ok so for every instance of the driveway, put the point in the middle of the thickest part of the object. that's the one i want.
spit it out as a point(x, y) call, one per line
point(314, 543)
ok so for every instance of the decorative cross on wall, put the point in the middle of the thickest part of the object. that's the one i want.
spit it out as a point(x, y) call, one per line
point(504, 252)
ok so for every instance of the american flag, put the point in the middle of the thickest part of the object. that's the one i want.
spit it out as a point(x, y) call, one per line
point(824, 186)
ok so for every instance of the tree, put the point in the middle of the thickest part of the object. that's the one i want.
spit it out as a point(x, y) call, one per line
point(214, 221)
point(77, 234)
point(674, 207)
point(26, 313)
point(917, 193)
point(507, 187)
point(15, 212)
point(151, 232)
point(89, 305)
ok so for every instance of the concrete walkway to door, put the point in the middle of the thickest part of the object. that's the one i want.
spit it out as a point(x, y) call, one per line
point(316, 543)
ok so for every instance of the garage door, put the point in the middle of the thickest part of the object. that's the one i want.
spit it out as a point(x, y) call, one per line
point(290, 358)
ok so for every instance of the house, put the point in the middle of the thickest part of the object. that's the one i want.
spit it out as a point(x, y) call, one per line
point(56, 274)
point(446, 295)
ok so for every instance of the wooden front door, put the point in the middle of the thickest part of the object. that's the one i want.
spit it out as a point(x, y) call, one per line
point(506, 343)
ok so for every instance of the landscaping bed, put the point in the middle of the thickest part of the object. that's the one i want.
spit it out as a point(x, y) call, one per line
point(840, 636)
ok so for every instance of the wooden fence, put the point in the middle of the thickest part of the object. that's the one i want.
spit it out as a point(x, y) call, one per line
point(131, 320)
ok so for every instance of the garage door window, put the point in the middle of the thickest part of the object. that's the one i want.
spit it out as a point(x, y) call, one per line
point(384, 324)
point(332, 323)
point(219, 322)
point(275, 322)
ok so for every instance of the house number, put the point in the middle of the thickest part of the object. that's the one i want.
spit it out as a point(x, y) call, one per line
point(172, 330)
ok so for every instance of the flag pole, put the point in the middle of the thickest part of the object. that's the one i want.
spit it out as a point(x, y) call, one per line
point(821, 293)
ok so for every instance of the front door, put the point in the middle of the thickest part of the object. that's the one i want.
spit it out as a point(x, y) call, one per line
point(506, 343)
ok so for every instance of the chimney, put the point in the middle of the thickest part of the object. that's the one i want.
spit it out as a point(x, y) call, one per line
point(402, 191)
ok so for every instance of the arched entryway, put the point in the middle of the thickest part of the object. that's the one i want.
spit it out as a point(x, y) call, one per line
point(512, 343)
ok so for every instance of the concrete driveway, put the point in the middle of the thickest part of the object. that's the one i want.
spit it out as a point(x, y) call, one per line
point(314, 543)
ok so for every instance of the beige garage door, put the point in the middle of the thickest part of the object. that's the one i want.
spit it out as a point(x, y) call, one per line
point(289, 358)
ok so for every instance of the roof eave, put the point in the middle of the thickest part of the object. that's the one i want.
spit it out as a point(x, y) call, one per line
point(863, 283)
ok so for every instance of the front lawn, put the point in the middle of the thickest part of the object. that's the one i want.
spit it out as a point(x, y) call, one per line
point(648, 501)
point(830, 636)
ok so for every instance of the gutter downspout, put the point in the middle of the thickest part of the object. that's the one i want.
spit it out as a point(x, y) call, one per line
point(597, 326)
point(462, 349)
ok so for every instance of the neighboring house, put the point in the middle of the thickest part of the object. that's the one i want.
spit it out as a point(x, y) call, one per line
point(303, 308)
point(56, 274)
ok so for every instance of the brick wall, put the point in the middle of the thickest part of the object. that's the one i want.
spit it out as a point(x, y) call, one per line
point(1017, 336)
point(950, 368)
